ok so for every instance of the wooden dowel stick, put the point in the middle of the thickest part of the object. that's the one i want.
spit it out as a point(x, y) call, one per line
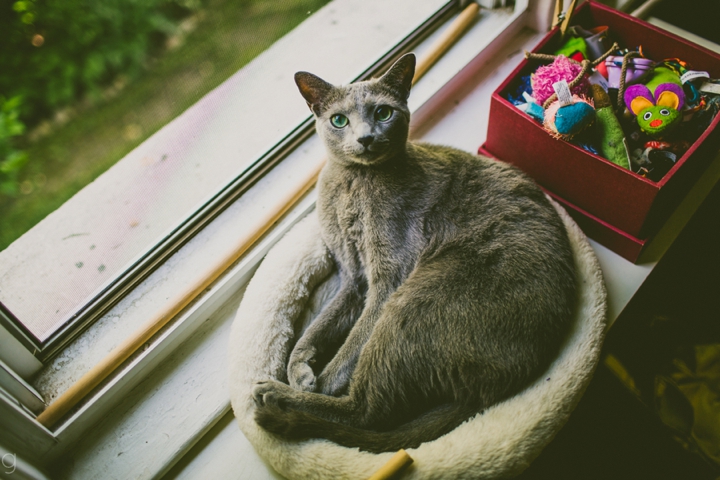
point(85, 384)
point(175, 305)
point(397, 462)
point(448, 37)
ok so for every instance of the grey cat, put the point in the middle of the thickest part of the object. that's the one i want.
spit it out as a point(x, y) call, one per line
point(457, 280)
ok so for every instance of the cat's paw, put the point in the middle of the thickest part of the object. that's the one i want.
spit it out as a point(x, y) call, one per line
point(273, 411)
point(300, 372)
point(270, 394)
point(269, 412)
point(301, 377)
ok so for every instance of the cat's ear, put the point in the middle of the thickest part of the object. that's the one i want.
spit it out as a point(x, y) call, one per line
point(400, 75)
point(313, 89)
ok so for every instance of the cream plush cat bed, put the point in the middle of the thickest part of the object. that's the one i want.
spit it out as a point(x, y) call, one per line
point(282, 297)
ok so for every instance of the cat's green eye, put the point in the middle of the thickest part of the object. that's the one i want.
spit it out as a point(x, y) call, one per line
point(339, 121)
point(383, 113)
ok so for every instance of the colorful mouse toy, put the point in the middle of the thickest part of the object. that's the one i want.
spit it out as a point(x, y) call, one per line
point(657, 104)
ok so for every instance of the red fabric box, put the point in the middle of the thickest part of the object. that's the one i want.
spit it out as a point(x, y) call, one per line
point(615, 206)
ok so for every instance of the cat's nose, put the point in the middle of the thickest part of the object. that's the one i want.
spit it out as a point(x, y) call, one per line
point(366, 140)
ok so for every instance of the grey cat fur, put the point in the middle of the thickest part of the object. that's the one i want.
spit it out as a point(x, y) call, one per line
point(457, 281)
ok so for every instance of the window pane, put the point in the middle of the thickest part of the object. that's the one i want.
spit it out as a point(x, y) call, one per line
point(78, 249)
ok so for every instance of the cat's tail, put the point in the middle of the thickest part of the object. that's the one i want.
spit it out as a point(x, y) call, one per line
point(429, 426)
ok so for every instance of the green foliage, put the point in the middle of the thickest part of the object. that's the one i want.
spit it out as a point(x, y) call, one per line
point(55, 52)
point(11, 160)
point(228, 34)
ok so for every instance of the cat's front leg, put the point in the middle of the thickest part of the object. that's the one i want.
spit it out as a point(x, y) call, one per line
point(278, 406)
point(331, 325)
point(335, 377)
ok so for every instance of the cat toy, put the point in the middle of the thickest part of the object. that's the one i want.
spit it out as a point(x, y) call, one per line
point(635, 69)
point(567, 111)
point(658, 103)
point(585, 44)
point(610, 133)
point(568, 115)
point(562, 68)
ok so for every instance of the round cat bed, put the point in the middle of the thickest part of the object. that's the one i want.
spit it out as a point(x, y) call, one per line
point(288, 290)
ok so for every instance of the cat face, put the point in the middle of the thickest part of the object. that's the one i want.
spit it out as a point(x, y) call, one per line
point(363, 123)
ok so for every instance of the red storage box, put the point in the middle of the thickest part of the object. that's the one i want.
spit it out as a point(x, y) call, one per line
point(615, 206)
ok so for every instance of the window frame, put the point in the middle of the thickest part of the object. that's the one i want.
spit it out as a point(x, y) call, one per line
point(155, 255)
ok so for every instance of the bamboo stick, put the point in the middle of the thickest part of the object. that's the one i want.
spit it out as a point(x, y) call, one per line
point(448, 37)
point(85, 384)
point(175, 305)
point(396, 464)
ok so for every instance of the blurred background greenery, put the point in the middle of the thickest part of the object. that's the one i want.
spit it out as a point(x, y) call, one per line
point(82, 83)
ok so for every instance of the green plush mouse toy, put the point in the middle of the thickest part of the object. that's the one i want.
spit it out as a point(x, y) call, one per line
point(657, 104)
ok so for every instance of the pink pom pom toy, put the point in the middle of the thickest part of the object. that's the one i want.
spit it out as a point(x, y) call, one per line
point(561, 69)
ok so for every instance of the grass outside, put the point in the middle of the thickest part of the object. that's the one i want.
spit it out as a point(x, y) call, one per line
point(210, 46)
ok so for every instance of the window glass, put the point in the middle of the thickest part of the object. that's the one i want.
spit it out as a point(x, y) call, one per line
point(174, 151)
